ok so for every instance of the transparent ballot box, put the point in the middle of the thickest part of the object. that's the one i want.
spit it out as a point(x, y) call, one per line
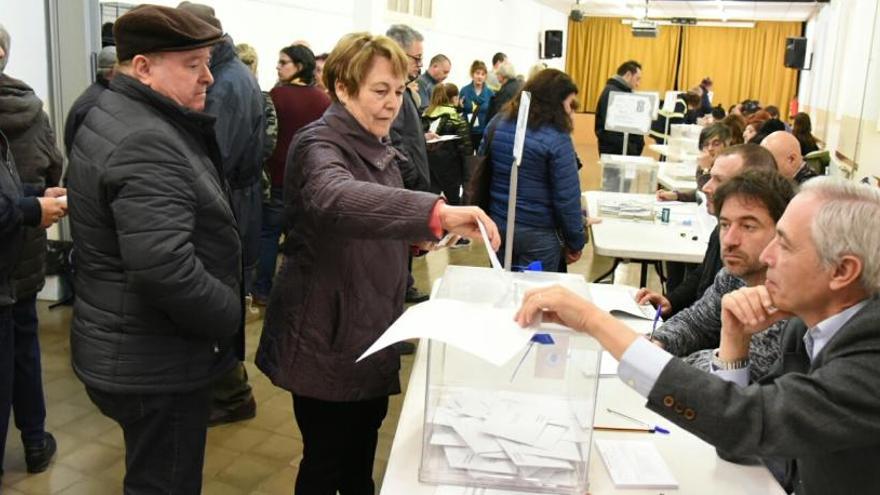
point(629, 174)
point(525, 425)
point(684, 141)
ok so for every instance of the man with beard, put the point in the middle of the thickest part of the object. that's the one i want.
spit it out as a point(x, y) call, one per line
point(748, 205)
point(729, 163)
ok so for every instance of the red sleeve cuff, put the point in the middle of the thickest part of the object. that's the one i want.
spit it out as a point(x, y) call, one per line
point(434, 219)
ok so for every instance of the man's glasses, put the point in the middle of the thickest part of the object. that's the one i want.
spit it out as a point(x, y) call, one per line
point(417, 60)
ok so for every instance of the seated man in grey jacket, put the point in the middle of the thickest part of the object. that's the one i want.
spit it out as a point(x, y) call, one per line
point(819, 405)
point(748, 206)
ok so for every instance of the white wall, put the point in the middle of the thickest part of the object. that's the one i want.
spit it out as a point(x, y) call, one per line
point(25, 20)
point(842, 91)
point(463, 30)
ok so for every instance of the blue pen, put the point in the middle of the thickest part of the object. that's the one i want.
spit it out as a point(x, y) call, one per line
point(654, 429)
point(656, 319)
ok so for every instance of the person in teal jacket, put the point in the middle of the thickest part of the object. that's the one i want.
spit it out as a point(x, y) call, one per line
point(475, 98)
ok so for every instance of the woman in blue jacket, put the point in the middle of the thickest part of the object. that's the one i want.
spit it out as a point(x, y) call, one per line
point(475, 99)
point(548, 217)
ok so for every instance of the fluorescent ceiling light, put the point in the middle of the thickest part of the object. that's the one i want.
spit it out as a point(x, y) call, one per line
point(730, 24)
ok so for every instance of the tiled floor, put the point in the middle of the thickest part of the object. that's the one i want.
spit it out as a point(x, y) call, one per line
point(259, 456)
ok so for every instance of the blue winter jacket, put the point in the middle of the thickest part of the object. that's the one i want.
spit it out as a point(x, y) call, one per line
point(549, 192)
point(469, 99)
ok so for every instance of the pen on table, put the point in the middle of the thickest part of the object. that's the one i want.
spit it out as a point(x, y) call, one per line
point(656, 319)
point(632, 430)
point(638, 421)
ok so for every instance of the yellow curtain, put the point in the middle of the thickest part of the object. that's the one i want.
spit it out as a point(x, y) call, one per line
point(743, 63)
point(598, 45)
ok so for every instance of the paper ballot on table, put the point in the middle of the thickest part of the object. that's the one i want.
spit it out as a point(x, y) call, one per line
point(614, 298)
point(493, 256)
point(522, 122)
point(487, 332)
point(635, 464)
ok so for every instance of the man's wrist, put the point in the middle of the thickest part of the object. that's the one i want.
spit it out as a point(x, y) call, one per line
point(734, 347)
point(720, 363)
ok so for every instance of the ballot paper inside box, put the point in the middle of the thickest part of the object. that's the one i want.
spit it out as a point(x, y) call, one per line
point(525, 425)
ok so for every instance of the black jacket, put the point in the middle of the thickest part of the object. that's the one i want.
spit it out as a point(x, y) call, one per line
point(408, 138)
point(448, 159)
point(505, 93)
point(16, 211)
point(699, 279)
point(80, 109)
point(38, 160)
point(158, 255)
point(611, 142)
point(237, 103)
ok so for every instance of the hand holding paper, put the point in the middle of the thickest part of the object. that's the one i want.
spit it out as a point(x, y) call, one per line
point(464, 220)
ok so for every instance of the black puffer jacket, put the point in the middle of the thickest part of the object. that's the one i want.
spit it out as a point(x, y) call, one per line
point(15, 212)
point(158, 256)
point(32, 141)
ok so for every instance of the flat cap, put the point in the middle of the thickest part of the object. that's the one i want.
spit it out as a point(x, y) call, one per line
point(153, 28)
point(203, 12)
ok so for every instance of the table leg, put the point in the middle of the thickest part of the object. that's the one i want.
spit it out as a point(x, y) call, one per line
point(609, 273)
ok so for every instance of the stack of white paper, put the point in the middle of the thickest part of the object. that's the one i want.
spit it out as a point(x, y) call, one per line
point(523, 436)
point(635, 464)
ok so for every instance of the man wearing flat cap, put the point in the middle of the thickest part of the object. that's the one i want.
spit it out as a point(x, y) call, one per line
point(158, 275)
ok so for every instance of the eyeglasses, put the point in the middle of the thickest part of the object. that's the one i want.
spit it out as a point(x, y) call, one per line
point(417, 60)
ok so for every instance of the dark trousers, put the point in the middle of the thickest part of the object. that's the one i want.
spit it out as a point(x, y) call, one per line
point(247, 204)
point(534, 244)
point(339, 445)
point(21, 379)
point(676, 272)
point(231, 390)
point(7, 373)
point(270, 234)
point(476, 139)
point(164, 438)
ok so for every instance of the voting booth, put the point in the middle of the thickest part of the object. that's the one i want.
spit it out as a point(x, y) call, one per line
point(524, 424)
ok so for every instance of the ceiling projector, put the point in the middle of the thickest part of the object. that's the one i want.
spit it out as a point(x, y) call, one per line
point(645, 29)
